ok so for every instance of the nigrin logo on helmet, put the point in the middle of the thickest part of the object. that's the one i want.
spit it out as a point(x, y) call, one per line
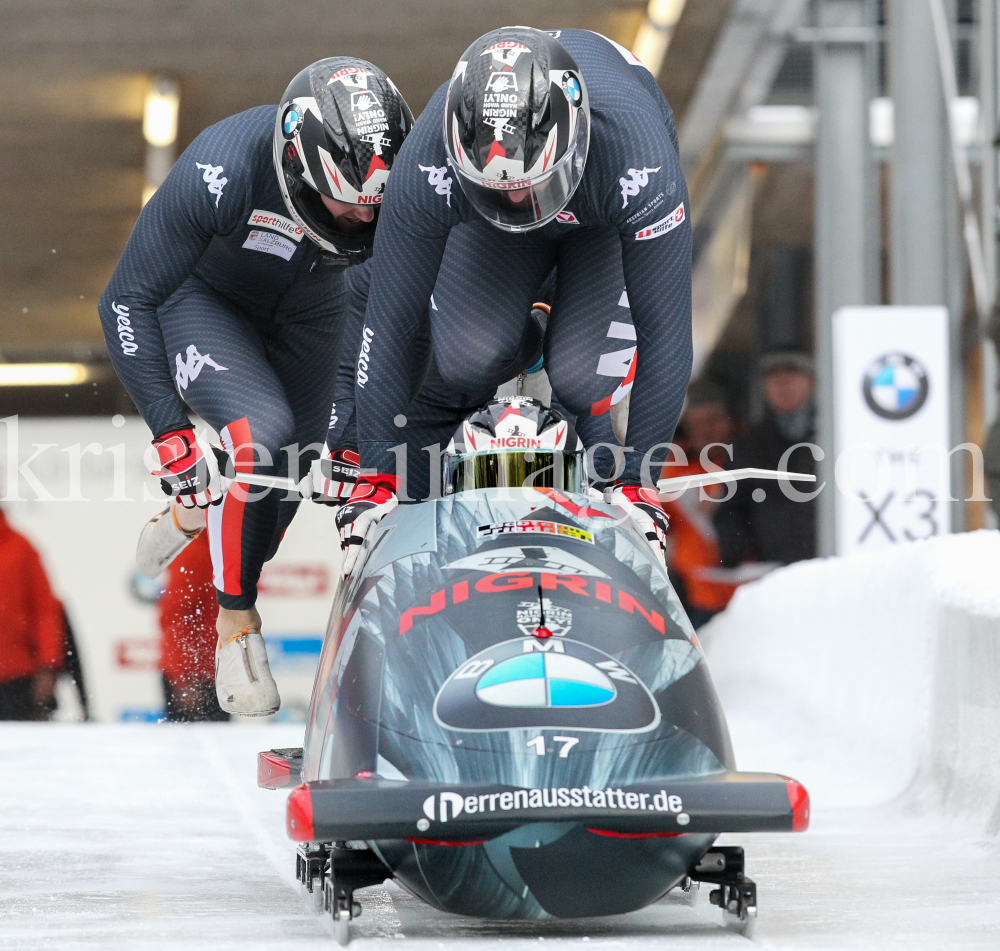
point(351, 76)
point(506, 52)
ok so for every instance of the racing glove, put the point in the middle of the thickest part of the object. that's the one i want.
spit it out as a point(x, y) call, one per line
point(331, 479)
point(191, 469)
point(373, 498)
point(644, 507)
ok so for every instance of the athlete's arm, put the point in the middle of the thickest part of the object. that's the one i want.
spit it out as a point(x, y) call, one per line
point(656, 258)
point(198, 199)
point(342, 433)
point(419, 208)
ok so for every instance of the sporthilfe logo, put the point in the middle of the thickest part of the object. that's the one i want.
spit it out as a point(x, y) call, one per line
point(638, 178)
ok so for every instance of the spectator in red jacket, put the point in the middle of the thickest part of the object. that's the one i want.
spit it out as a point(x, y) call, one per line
point(188, 609)
point(693, 557)
point(31, 631)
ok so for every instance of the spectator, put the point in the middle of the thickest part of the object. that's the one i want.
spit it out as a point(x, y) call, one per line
point(760, 522)
point(188, 609)
point(31, 631)
point(694, 551)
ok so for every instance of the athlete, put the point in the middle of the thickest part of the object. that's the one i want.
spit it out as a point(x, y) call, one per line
point(551, 148)
point(223, 302)
point(435, 410)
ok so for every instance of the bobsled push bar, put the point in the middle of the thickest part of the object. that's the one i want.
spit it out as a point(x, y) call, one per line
point(682, 483)
point(664, 486)
point(370, 808)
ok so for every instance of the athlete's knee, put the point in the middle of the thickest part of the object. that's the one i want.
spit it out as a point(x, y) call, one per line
point(261, 441)
point(468, 372)
point(571, 385)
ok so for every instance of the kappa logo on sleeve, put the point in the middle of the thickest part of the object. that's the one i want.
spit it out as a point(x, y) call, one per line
point(675, 218)
point(210, 174)
point(638, 178)
point(439, 179)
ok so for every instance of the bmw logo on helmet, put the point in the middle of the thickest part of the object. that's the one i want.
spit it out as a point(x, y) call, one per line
point(556, 683)
point(895, 386)
point(571, 86)
point(291, 121)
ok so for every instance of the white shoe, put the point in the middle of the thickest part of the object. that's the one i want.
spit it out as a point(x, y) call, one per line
point(243, 681)
point(160, 542)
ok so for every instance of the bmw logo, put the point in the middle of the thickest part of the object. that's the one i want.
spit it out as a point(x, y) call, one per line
point(895, 386)
point(571, 86)
point(553, 683)
point(291, 121)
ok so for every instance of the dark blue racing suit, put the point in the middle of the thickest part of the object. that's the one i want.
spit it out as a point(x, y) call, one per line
point(219, 301)
point(626, 226)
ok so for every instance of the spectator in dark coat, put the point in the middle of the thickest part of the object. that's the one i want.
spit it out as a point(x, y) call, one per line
point(760, 522)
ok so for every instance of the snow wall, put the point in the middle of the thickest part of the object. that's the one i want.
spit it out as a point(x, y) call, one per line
point(872, 677)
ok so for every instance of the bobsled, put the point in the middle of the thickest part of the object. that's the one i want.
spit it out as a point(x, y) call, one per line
point(513, 718)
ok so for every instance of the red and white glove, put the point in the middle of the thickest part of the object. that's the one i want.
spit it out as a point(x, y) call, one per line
point(331, 478)
point(644, 506)
point(373, 498)
point(191, 469)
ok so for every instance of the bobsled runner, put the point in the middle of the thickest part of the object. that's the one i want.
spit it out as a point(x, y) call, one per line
point(513, 718)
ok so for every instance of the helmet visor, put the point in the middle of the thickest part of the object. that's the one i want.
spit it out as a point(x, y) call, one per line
point(527, 469)
point(529, 203)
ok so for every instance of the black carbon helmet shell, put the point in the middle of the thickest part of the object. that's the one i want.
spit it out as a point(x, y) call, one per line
point(517, 126)
point(338, 129)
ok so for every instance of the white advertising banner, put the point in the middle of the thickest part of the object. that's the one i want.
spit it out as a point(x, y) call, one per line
point(890, 382)
point(79, 490)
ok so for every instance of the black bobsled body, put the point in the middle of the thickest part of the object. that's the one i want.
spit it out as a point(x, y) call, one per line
point(513, 712)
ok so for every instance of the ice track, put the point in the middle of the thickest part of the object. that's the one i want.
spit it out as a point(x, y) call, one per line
point(157, 837)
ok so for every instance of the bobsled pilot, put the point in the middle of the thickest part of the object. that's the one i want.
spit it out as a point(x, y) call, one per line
point(435, 411)
point(548, 149)
point(229, 297)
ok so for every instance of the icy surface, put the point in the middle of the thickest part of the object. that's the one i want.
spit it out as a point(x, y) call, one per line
point(136, 837)
point(156, 836)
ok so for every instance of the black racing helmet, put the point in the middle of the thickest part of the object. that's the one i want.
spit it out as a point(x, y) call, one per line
point(338, 129)
point(517, 127)
point(513, 441)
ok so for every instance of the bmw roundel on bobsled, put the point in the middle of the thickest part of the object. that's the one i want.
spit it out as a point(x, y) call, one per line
point(513, 717)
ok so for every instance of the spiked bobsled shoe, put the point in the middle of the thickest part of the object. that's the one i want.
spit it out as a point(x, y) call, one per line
point(160, 542)
point(243, 681)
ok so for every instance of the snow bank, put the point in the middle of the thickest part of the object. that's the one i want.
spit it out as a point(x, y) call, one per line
point(871, 675)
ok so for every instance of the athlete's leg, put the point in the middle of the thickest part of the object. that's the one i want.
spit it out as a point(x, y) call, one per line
point(432, 418)
point(482, 304)
point(590, 343)
point(304, 355)
point(222, 372)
